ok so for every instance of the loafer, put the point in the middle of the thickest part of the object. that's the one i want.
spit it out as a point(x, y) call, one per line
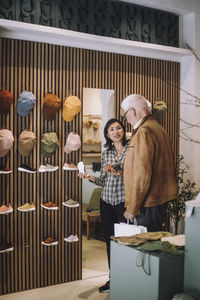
point(105, 288)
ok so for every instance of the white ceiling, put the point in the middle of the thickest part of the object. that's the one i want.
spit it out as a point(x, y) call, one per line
point(180, 7)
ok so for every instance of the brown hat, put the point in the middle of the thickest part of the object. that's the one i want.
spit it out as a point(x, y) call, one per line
point(71, 107)
point(51, 105)
point(6, 141)
point(27, 141)
point(73, 142)
point(6, 99)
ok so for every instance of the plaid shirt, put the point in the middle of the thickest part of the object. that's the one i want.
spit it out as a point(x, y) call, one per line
point(113, 186)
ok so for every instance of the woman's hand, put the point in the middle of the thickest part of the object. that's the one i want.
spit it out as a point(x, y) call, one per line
point(86, 176)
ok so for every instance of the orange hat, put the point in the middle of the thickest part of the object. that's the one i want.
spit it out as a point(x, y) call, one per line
point(6, 100)
point(51, 105)
point(6, 141)
point(71, 107)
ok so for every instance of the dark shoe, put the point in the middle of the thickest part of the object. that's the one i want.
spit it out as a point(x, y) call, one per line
point(27, 169)
point(105, 288)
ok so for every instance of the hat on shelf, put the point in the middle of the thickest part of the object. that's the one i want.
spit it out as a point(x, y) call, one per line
point(71, 107)
point(49, 143)
point(6, 100)
point(26, 102)
point(73, 142)
point(51, 105)
point(27, 141)
point(6, 141)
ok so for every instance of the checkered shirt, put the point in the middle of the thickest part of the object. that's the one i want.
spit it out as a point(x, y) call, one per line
point(113, 186)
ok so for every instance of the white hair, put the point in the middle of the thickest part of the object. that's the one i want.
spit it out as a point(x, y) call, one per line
point(131, 101)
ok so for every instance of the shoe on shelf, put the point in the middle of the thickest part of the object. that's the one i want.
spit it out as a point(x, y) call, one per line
point(70, 166)
point(27, 169)
point(50, 205)
point(71, 203)
point(71, 239)
point(105, 288)
point(4, 170)
point(50, 241)
point(6, 209)
point(6, 247)
point(47, 168)
point(27, 207)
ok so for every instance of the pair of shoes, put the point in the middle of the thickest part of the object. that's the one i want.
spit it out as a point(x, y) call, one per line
point(70, 166)
point(27, 169)
point(105, 288)
point(48, 168)
point(27, 207)
point(6, 247)
point(50, 241)
point(4, 170)
point(50, 205)
point(72, 238)
point(71, 203)
point(6, 209)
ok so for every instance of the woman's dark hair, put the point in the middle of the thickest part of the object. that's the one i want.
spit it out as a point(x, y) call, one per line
point(109, 142)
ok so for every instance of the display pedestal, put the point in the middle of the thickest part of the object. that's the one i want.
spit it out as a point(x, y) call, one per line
point(129, 281)
point(192, 249)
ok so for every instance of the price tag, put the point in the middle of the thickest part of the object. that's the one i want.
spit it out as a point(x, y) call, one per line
point(189, 210)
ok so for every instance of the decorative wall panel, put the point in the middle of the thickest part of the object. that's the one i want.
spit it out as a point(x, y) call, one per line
point(101, 17)
point(42, 68)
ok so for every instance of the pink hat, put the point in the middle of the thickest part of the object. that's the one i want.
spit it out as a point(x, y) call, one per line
point(73, 142)
point(6, 141)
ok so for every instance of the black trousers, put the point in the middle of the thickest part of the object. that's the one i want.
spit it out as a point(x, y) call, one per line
point(110, 215)
point(152, 217)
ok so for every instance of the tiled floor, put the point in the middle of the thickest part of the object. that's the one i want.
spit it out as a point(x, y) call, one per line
point(95, 273)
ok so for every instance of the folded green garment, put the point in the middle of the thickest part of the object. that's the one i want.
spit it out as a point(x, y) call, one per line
point(189, 296)
point(162, 247)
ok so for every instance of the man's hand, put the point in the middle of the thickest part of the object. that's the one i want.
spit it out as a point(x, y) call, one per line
point(129, 216)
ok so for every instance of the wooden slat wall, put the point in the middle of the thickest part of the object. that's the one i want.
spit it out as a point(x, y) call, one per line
point(43, 68)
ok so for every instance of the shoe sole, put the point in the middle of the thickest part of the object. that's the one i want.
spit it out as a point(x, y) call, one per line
point(26, 171)
point(50, 208)
point(68, 205)
point(71, 241)
point(26, 210)
point(7, 250)
point(6, 212)
point(51, 244)
point(5, 172)
point(69, 169)
point(43, 171)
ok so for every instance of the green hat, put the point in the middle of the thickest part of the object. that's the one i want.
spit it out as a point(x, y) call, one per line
point(49, 143)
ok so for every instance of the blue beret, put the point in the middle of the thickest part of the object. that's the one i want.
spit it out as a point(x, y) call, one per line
point(26, 102)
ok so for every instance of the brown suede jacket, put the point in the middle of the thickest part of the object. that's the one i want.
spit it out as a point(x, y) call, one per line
point(149, 171)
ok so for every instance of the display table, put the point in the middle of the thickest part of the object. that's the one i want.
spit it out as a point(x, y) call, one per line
point(192, 246)
point(129, 281)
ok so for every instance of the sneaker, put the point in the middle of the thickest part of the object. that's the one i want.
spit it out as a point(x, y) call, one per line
point(27, 207)
point(5, 170)
point(72, 238)
point(27, 169)
point(50, 205)
point(6, 247)
point(50, 242)
point(70, 167)
point(6, 209)
point(105, 288)
point(48, 168)
point(71, 203)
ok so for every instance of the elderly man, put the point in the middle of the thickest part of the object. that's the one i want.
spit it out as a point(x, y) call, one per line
point(149, 172)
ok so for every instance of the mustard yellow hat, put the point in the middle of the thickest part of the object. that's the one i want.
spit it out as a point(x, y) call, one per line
point(71, 107)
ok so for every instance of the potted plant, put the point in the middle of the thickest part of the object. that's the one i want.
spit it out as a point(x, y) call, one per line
point(187, 190)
